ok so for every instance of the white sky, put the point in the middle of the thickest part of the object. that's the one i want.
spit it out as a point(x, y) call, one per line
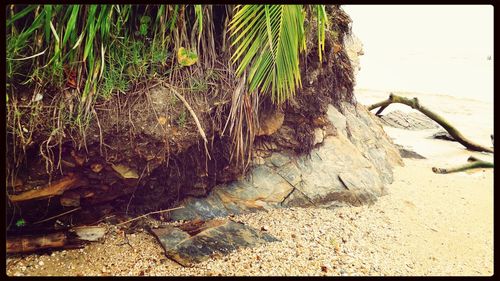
point(449, 29)
point(440, 49)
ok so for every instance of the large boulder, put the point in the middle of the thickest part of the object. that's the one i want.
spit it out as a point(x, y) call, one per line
point(351, 165)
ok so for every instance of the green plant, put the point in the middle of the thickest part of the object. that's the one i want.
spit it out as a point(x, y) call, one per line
point(181, 119)
point(268, 40)
point(20, 223)
point(97, 51)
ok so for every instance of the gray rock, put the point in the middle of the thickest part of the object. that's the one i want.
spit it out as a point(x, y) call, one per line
point(319, 136)
point(350, 167)
point(279, 159)
point(414, 120)
point(406, 153)
point(215, 237)
point(443, 135)
point(337, 119)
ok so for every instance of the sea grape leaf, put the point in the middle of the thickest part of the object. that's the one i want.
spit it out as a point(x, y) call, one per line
point(125, 172)
point(185, 57)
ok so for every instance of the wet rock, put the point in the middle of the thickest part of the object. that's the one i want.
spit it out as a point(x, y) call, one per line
point(319, 136)
point(408, 120)
point(279, 159)
point(406, 153)
point(216, 237)
point(443, 135)
point(263, 188)
point(297, 199)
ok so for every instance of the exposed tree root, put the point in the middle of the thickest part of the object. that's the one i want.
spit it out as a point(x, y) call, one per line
point(473, 164)
point(70, 181)
point(414, 103)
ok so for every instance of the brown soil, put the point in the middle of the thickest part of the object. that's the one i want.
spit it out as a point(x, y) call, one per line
point(150, 132)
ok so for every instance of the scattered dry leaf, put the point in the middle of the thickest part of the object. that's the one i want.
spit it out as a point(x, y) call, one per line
point(125, 172)
point(96, 167)
point(336, 48)
point(162, 120)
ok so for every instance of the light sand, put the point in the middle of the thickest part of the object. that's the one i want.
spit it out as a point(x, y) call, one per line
point(428, 224)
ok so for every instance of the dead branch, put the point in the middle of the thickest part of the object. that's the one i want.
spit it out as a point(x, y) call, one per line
point(414, 103)
point(473, 163)
point(151, 213)
point(26, 244)
point(60, 215)
point(73, 238)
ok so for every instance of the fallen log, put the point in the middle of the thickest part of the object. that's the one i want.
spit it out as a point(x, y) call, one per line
point(57, 188)
point(414, 103)
point(73, 238)
point(473, 163)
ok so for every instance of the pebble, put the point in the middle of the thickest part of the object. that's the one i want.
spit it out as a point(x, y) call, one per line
point(305, 248)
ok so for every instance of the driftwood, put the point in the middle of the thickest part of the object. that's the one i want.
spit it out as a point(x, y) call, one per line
point(74, 238)
point(473, 164)
point(57, 188)
point(414, 103)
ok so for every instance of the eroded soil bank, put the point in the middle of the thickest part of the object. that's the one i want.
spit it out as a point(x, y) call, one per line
point(428, 224)
point(144, 152)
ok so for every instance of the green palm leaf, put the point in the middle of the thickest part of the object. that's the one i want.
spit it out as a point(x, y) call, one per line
point(267, 40)
point(322, 26)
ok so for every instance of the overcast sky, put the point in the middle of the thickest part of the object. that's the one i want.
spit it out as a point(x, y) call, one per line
point(427, 49)
point(451, 29)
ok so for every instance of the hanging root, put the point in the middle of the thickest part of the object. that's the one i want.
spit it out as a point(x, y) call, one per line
point(191, 111)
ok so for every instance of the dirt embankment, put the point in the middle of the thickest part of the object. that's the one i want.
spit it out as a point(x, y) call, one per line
point(142, 150)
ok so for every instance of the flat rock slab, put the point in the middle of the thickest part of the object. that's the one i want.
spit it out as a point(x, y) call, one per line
point(406, 153)
point(349, 167)
point(197, 242)
point(409, 120)
point(443, 135)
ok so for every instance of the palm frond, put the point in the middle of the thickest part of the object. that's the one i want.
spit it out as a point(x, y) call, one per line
point(268, 39)
point(322, 21)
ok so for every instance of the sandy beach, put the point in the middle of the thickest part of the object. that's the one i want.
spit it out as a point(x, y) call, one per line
point(427, 224)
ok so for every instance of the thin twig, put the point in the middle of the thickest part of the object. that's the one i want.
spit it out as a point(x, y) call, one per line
point(151, 213)
point(60, 215)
